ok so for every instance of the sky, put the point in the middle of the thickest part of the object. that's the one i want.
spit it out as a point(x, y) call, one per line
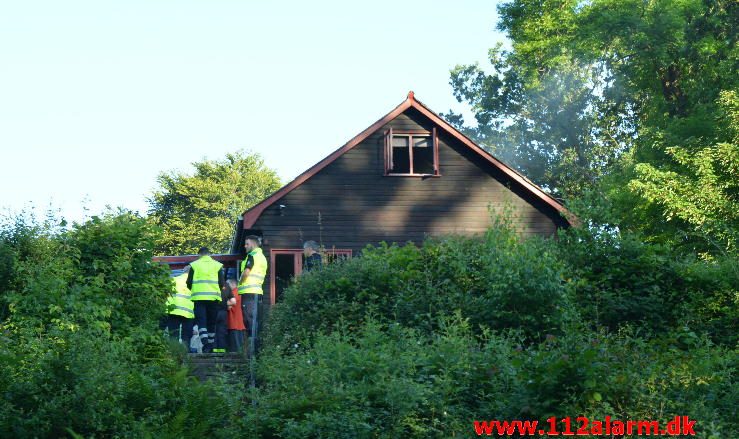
point(99, 97)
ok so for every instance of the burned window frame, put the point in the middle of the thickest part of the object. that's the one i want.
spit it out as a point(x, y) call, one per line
point(390, 134)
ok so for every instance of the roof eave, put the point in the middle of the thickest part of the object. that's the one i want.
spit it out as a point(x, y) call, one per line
point(251, 215)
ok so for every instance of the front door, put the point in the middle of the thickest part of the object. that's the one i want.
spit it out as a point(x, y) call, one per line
point(285, 264)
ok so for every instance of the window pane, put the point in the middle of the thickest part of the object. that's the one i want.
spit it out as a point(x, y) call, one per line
point(336, 256)
point(423, 158)
point(421, 142)
point(401, 160)
point(400, 142)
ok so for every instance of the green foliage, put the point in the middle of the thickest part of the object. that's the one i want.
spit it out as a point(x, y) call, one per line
point(419, 341)
point(618, 278)
point(711, 297)
point(199, 210)
point(636, 97)
point(699, 187)
point(79, 353)
point(497, 282)
point(597, 374)
point(556, 131)
point(557, 117)
point(390, 381)
point(401, 342)
point(385, 381)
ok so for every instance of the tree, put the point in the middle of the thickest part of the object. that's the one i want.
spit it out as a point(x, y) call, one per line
point(554, 116)
point(200, 209)
point(705, 195)
point(678, 62)
point(617, 96)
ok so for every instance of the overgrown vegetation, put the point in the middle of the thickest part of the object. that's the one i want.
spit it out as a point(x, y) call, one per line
point(635, 100)
point(392, 381)
point(626, 109)
point(80, 351)
point(418, 342)
point(495, 281)
point(402, 341)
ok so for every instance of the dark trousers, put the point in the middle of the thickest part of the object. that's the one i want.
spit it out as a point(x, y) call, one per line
point(249, 306)
point(180, 328)
point(206, 314)
point(222, 330)
point(235, 340)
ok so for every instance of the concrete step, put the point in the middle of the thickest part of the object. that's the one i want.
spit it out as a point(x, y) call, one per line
point(230, 366)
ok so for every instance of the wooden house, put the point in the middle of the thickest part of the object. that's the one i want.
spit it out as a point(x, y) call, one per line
point(408, 176)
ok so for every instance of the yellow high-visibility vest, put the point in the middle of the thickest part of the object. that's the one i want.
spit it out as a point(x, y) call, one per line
point(252, 284)
point(179, 302)
point(205, 279)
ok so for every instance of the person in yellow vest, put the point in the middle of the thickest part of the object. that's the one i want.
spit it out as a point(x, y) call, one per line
point(180, 309)
point(206, 280)
point(253, 271)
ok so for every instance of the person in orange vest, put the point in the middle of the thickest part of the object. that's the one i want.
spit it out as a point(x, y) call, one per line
point(236, 326)
point(207, 281)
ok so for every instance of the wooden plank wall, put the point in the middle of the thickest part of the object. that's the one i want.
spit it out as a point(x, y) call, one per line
point(358, 205)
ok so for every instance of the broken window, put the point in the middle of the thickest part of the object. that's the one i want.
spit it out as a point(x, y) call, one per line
point(411, 153)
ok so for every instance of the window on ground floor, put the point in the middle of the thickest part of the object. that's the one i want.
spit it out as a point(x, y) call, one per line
point(286, 263)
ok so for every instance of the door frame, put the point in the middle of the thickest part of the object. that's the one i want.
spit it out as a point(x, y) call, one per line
point(298, 263)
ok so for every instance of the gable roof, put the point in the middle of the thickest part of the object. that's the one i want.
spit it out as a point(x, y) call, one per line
point(250, 216)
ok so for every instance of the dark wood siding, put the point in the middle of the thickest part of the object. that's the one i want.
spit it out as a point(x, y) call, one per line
point(350, 203)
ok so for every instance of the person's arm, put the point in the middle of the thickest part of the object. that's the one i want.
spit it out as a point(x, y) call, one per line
point(222, 280)
point(234, 297)
point(189, 279)
point(247, 269)
point(226, 295)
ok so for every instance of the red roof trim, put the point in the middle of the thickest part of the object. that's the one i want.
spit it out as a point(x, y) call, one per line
point(495, 162)
point(252, 215)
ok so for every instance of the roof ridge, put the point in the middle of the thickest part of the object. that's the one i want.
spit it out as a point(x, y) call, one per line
point(251, 215)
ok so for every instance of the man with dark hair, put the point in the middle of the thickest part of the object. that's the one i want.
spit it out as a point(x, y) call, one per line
point(253, 271)
point(312, 256)
point(207, 281)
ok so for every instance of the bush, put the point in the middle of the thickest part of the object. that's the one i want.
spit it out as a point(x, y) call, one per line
point(617, 279)
point(385, 381)
point(80, 352)
point(402, 342)
point(604, 325)
point(626, 377)
point(498, 282)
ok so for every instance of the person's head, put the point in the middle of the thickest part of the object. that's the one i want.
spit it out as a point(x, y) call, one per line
point(251, 243)
point(203, 251)
point(310, 248)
